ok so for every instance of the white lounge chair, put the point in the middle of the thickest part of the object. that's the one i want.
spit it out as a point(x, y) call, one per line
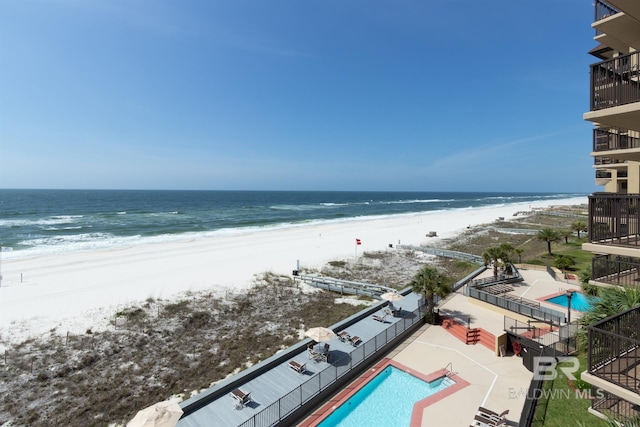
point(240, 398)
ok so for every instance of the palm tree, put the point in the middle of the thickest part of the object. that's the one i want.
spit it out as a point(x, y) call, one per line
point(563, 262)
point(498, 256)
point(548, 235)
point(429, 282)
point(519, 252)
point(565, 234)
point(579, 226)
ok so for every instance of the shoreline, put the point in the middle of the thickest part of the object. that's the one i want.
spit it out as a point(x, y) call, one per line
point(75, 291)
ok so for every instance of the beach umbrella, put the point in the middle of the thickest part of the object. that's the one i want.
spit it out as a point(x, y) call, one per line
point(391, 296)
point(320, 334)
point(161, 414)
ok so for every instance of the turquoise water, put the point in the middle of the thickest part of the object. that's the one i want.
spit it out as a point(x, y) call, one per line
point(36, 222)
point(579, 301)
point(386, 400)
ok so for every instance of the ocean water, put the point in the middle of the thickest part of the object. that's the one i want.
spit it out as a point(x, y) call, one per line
point(34, 222)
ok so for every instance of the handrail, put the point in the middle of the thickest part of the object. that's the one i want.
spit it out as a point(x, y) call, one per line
point(445, 253)
point(348, 286)
point(615, 82)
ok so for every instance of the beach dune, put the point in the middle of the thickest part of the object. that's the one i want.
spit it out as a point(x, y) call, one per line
point(75, 291)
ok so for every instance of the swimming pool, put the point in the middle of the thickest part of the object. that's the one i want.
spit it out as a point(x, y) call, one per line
point(579, 301)
point(386, 400)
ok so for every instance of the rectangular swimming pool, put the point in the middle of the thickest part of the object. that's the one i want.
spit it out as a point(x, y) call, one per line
point(386, 400)
point(579, 301)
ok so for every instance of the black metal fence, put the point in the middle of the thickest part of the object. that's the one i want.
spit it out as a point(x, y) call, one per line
point(614, 349)
point(294, 400)
point(559, 339)
point(614, 82)
point(614, 219)
point(615, 406)
point(606, 139)
point(615, 270)
point(522, 306)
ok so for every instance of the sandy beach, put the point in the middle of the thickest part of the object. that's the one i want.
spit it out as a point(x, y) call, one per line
point(79, 290)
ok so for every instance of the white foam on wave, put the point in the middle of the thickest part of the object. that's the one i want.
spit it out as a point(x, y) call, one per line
point(93, 241)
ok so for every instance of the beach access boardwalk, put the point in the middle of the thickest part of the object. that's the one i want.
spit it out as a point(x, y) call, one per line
point(280, 395)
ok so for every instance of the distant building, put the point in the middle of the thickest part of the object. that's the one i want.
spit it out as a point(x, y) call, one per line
point(614, 214)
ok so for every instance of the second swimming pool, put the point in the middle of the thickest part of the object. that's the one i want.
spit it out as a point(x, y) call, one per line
point(579, 301)
point(386, 400)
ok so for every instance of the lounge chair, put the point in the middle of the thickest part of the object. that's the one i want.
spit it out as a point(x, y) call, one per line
point(344, 336)
point(382, 319)
point(354, 340)
point(397, 312)
point(240, 398)
point(300, 368)
point(493, 418)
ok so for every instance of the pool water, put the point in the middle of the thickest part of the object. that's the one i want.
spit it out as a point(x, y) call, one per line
point(386, 400)
point(579, 301)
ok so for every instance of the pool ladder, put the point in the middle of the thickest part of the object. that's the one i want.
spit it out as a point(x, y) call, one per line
point(446, 371)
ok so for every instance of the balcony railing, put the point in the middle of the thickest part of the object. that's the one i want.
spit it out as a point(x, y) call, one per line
point(602, 161)
point(619, 408)
point(615, 270)
point(614, 349)
point(614, 82)
point(600, 174)
point(606, 139)
point(603, 10)
point(614, 219)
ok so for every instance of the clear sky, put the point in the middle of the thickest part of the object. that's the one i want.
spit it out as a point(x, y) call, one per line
point(450, 95)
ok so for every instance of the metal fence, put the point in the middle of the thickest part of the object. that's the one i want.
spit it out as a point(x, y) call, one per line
point(522, 306)
point(614, 82)
point(614, 349)
point(344, 286)
point(548, 337)
point(445, 253)
point(286, 405)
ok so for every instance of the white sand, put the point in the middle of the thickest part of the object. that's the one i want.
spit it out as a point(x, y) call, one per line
point(80, 290)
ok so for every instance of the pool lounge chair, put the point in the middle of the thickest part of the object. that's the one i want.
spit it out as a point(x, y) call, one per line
point(482, 421)
point(240, 398)
point(354, 340)
point(300, 368)
point(487, 417)
point(382, 319)
point(344, 336)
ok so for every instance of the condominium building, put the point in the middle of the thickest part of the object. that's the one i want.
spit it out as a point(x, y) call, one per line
point(614, 214)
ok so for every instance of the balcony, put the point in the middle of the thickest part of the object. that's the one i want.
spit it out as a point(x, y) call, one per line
point(601, 174)
point(606, 161)
point(617, 144)
point(630, 7)
point(614, 221)
point(603, 10)
point(615, 92)
point(616, 29)
point(615, 270)
point(613, 356)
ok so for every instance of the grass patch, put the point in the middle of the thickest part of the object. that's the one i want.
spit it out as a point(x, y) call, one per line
point(564, 402)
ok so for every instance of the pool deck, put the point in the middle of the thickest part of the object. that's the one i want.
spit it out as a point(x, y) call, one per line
point(496, 383)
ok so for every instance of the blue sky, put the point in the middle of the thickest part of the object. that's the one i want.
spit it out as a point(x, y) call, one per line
point(455, 95)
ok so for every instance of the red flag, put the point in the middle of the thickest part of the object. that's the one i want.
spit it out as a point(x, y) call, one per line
point(358, 242)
